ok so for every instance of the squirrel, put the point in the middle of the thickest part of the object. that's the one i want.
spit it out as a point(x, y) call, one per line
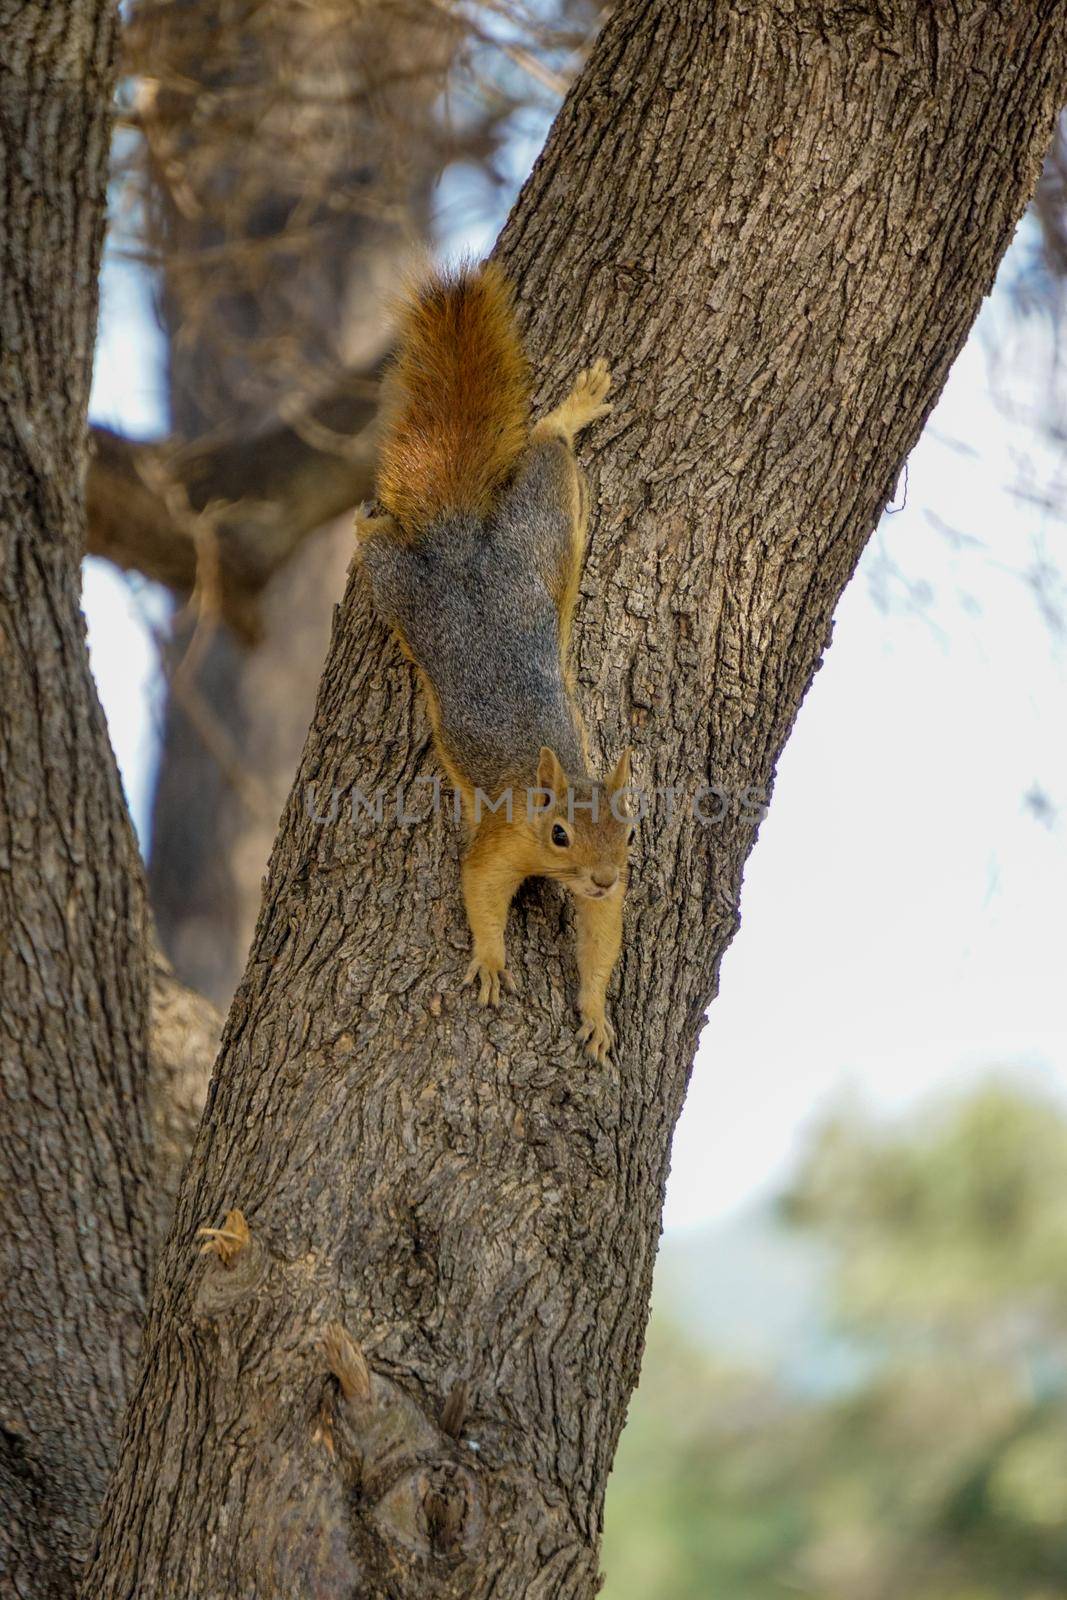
point(473, 553)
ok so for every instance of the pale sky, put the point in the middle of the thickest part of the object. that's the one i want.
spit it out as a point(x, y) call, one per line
point(903, 921)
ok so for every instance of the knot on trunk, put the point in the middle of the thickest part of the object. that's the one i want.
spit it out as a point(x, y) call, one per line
point(434, 1511)
point(240, 1265)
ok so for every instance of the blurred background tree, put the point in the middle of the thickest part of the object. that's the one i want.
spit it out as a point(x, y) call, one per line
point(287, 159)
point(934, 1469)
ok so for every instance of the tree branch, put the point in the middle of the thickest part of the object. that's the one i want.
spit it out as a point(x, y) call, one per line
point(260, 497)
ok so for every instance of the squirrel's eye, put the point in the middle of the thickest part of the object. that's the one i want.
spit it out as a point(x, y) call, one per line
point(559, 836)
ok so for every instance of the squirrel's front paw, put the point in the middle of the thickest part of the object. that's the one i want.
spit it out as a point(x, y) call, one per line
point(597, 1034)
point(490, 977)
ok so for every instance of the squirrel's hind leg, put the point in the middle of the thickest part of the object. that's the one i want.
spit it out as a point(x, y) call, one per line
point(586, 403)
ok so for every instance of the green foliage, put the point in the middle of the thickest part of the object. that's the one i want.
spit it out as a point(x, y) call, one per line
point(953, 1226)
point(943, 1475)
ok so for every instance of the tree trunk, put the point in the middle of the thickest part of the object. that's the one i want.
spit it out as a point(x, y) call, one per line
point(73, 1150)
point(777, 221)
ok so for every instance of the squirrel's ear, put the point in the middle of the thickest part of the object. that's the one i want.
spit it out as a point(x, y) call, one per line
point(550, 775)
point(620, 776)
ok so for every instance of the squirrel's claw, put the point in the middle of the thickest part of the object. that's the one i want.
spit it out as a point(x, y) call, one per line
point(598, 1036)
point(490, 979)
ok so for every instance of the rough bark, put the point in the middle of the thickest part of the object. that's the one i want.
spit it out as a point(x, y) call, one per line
point(777, 221)
point(73, 1161)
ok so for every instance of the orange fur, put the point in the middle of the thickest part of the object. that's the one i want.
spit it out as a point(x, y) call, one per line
point(456, 407)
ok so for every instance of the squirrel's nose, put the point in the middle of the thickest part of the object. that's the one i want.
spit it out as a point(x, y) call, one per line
point(605, 880)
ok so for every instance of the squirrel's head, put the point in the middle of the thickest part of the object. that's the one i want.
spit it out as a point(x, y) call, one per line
point(584, 829)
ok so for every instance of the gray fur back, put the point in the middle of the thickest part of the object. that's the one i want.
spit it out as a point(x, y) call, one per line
point(474, 601)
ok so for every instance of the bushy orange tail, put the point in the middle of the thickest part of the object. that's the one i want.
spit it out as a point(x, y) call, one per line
point(456, 407)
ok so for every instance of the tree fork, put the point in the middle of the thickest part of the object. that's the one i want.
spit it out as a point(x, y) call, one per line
point(777, 222)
